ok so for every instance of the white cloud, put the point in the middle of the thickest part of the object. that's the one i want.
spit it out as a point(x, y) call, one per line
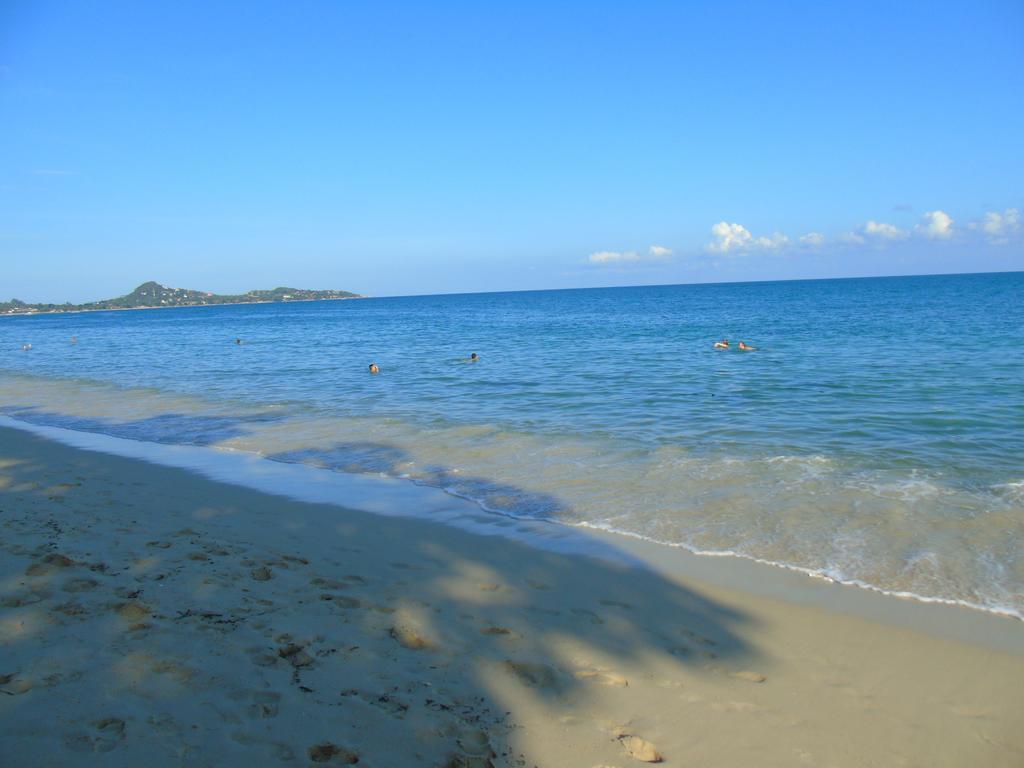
point(654, 253)
point(736, 237)
point(884, 231)
point(1000, 226)
point(776, 241)
point(732, 238)
point(613, 257)
point(729, 237)
point(937, 225)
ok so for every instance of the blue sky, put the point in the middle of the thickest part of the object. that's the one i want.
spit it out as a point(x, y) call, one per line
point(446, 147)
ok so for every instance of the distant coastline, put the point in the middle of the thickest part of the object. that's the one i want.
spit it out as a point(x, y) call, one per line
point(153, 295)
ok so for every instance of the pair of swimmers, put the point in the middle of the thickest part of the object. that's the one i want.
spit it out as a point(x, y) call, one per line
point(724, 344)
point(374, 368)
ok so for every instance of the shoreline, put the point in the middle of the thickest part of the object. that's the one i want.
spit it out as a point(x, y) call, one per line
point(810, 573)
point(152, 614)
point(759, 576)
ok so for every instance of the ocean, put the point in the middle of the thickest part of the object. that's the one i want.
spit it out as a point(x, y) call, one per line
point(875, 437)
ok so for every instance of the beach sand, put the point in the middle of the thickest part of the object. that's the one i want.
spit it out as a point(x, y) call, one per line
point(150, 616)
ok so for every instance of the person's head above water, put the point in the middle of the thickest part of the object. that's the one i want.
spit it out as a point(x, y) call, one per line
point(473, 357)
point(374, 368)
point(723, 344)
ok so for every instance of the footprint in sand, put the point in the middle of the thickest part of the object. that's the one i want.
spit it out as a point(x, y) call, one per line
point(343, 601)
point(698, 638)
point(262, 574)
point(179, 673)
point(685, 652)
point(262, 657)
point(264, 704)
point(534, 675)
point(750, 676)
point(165, 724)
point(133, 610)
point(475, 744)
point(282, 752)
point(498, 632)
point(56, 678)
point(602, 677)
point(48, 564)
point(159, 544)
point(323, 583)
point(104, 736)
point(71, 608)
point(14, 685)
point(410, 636)
point(295, 655)
point(590, 616)
point(80, 585)
point(459, 760)
point(614, 603)
point(21, 599)
point(384, 702)
point(640, 749)
point(332, 753)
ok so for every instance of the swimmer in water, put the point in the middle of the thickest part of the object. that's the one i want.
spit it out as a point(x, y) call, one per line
point(374, 368)
point(473, 358)
point(723, 344)
point(26, 347)
point(747, 347)
point(74, 339)
point(238, 341)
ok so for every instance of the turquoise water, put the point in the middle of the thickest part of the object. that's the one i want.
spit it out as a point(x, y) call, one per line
point(876, 436)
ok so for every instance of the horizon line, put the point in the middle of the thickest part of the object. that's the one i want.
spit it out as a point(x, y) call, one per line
point(603, 287)
point(698, 282)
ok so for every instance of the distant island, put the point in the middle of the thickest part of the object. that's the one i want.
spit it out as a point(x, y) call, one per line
point(152, 295)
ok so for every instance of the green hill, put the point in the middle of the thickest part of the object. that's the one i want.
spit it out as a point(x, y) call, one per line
point(152, 295)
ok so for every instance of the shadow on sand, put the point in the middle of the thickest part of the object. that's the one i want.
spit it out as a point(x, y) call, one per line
point(157, 617)
point(165, 428)
point(364, 457)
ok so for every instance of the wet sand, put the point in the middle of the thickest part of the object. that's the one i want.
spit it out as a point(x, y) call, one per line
point(151, 616)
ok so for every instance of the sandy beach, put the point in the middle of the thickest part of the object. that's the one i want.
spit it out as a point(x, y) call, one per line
point(151, 616)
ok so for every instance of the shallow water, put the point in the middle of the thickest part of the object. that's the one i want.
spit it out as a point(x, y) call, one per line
point(876, 436)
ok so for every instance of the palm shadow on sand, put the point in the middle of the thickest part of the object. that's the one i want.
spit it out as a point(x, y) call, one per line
point(384, 631)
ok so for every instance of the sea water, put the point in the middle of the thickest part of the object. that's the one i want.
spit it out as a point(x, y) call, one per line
point(876, 435)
